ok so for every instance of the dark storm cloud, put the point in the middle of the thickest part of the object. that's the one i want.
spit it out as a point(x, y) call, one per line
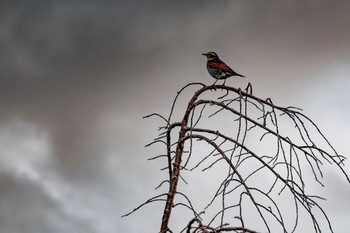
point(85, 73)
point(56, 39)
point(38, 211)
point(49, 69)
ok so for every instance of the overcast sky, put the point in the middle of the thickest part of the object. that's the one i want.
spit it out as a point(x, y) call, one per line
point(76, 79)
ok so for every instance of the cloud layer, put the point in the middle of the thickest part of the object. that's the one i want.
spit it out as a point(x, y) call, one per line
point(76, 78)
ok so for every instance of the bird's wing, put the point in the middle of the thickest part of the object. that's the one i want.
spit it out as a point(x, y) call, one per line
point(221, 66)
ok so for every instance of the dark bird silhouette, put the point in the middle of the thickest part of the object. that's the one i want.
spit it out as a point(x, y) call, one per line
point(218, 69)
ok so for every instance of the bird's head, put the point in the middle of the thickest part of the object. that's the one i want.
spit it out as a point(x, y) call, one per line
point(211, 55)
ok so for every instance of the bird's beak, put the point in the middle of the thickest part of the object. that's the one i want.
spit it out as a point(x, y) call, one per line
point(204, 54)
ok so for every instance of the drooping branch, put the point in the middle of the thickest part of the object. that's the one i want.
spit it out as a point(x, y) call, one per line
point(254, 123)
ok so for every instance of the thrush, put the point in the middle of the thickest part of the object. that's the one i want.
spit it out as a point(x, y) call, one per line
point(218, 69)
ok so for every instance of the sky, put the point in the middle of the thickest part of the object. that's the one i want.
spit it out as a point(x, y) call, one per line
point(76, 78)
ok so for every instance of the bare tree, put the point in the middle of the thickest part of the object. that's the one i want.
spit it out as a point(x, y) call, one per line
point(262, 152)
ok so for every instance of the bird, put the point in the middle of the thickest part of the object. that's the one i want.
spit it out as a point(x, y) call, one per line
point(218, 69)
